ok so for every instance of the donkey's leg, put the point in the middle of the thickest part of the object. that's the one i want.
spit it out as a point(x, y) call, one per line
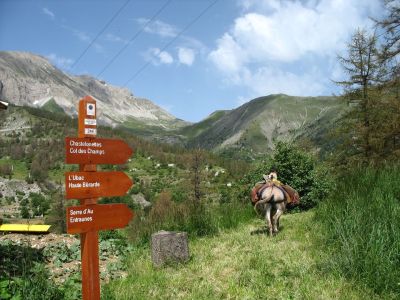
point(276, 217)
point(268, 217)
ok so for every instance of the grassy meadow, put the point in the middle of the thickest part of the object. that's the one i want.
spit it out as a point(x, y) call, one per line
point(244, 263)
point(346, 248)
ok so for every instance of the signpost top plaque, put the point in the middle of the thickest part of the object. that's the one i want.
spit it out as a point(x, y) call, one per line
point(87, 117)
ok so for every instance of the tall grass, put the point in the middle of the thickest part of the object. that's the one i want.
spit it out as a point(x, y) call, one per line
point(362, 222)
point(195, 217)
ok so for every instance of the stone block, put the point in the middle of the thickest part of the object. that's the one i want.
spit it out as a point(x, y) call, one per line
point(169, 246)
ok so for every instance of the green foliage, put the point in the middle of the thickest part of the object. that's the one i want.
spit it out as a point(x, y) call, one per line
point(52, 106)
point(24, 273)
point(59, 253)
point(24, 210)
point(10, 199)
point(362, 220)
point(39, 204)
point(194, 217)
point(298, 169)
point(57, 216)
point(35, 285)
point(295, 168)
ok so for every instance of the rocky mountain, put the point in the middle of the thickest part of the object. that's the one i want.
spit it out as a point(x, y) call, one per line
point(253, 128)
point(29, 79)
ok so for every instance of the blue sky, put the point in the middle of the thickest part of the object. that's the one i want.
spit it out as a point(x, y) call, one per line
point(235, 51)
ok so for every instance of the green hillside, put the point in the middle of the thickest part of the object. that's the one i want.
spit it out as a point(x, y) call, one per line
point(194, 130)
point(253, 128)
point(52, 106)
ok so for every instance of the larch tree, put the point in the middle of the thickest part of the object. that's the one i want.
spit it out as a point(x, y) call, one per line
point(365, 71)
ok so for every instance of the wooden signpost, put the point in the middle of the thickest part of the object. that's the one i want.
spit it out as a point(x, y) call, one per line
point(96, 151)
point(82, 185)
point(87, 185)
point(85, 218)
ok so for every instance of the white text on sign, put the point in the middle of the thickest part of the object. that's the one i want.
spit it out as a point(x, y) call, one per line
point(81, 183)
point(81, 215)
point(77, 148)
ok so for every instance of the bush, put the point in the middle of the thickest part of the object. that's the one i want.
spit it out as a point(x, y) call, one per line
point(295, 168)
point(361, 221)
point(6, 170)
point(39, 204)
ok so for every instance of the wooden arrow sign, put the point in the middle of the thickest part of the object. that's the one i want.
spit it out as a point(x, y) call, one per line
point(96, 151)
point(83, 185)
point(86, 218)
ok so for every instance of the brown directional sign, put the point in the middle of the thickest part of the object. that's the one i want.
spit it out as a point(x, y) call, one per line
point(96, 151)
point(87, 185)
point(83, 185)
point(86, 218)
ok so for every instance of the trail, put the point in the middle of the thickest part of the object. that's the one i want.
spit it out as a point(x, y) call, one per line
point(243, 263)
point(15, 129)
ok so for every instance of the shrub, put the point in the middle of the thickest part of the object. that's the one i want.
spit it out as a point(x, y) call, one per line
point(39, 204)
point(361, 220)
point(6, 170)
point(295, 168)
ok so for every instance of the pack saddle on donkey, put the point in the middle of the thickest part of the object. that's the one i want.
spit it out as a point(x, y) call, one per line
point(271, 196)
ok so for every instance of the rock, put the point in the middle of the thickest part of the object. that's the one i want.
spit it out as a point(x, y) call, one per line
point(168, 246)
point(9, 187)
point(140, 200)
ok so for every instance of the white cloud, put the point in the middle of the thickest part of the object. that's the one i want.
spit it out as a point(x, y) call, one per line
point(186, 56)
point(158, 27)
point(267, 44)
point(48, 12)
point(157, 57)
point(165, 57)
point(291, 32)
point(229, 55)
point(59, 61)
point(274, 81)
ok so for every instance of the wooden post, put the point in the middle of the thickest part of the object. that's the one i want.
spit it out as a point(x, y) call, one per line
point(87, 185)
point(87, 128)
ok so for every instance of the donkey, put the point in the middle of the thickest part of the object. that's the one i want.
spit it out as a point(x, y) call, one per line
point(273, 202)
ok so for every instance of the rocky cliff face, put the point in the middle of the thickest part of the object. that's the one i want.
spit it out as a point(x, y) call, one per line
point(28, 79)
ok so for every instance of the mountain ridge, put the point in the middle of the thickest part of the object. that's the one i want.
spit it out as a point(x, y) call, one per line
point(30, 79)
point(253, 128)
point(259, 123)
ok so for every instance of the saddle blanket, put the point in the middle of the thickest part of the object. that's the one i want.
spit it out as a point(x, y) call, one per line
point(291, 195)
